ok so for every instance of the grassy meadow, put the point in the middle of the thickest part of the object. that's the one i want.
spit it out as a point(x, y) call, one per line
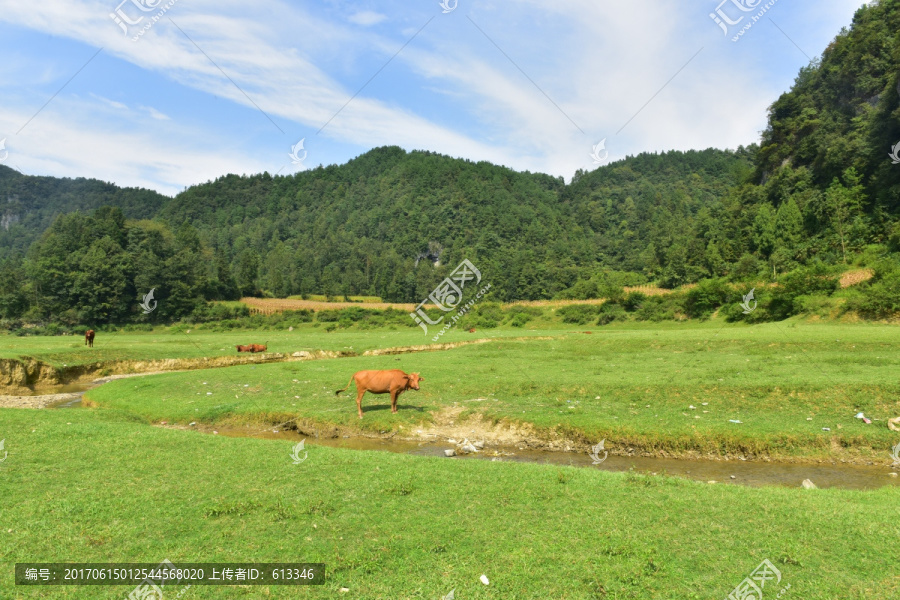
point(177, 343)
point(104, 485)
point(633, 386)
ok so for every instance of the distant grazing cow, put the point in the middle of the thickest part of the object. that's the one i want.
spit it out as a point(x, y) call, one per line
point(393, 381)
point(472, 330)
point(252, 348)
point(89, 338)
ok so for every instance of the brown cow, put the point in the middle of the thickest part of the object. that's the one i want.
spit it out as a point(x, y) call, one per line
point(393, 381)
point(89, 338)
point(244, 348)
point(259, 347)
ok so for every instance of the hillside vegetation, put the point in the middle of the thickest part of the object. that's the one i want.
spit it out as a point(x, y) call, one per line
point(817, 196)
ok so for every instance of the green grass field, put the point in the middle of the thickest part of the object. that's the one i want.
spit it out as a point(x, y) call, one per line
point(165, 343)
point(104, 485)
point(632, 386)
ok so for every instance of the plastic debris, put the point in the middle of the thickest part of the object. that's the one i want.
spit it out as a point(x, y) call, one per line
point(484, 580)
point(450, 452)
point(826, 429)
point(809, 485)
point(734, 421)
point(450, 596)
point(863, 417)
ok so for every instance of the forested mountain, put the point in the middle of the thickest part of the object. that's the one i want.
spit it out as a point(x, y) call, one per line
point(29, 204)
point(818, 188)
point(363, 227)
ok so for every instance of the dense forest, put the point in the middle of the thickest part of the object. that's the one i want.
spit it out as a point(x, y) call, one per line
point(817, 189)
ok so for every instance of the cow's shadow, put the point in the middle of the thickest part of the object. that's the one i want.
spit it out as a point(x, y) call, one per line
point(400, 407)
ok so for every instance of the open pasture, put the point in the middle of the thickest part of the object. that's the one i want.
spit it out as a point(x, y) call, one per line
point(633, 386)
point(104, 485)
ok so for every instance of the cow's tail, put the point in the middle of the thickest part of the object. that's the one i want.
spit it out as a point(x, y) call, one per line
point(345, 388)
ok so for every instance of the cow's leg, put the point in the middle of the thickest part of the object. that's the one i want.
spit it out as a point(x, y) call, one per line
point(394, 395)
point(359, 394)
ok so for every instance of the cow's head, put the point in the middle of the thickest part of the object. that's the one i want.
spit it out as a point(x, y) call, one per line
point(414, 380)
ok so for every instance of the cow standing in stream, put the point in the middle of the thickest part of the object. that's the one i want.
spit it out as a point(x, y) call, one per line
point(393, 381)
point(89, 338)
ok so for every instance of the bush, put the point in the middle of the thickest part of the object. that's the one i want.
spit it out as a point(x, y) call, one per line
point(660, 308)
point(879, 298)
point(733, 309)
point(578, 314)
point(611, 311)
point(519, 320)
point(814, 280)
point(703, 300)
point(488, 310)
point(633, 301)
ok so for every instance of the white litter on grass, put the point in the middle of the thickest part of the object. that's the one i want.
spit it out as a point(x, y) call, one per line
point(450, 596)
point(484, 580)
point(692, 407)
point(209, 393)
point(826, 429)
point(734, 421)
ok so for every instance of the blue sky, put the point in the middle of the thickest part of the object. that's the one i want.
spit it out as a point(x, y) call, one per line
point(217, 87)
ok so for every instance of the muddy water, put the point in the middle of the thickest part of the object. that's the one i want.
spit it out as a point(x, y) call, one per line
point(754, 474)
point(67, 403)
point(69, 388)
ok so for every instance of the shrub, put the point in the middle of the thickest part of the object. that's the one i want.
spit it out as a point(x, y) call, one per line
point(578, 314)
point(703, 300)
point(519, 320)
point(633, 301)
point(879, 298)
point(611, 311)
point(813, 280)
point(660, 308)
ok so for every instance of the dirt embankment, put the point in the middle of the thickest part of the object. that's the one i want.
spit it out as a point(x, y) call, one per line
point(18, 376)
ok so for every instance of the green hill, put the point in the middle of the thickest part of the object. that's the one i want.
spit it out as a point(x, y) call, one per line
point(819, 189)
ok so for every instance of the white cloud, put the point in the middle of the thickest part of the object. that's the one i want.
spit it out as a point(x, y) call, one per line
point(155, 113)
point(367, 18)
point(598, 62)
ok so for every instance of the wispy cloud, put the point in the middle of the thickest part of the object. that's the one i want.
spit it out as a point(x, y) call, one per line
point(450, 91)
point(367, 18)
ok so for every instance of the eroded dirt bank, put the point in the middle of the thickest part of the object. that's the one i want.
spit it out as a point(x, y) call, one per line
point(18, 376)
point(505, 438)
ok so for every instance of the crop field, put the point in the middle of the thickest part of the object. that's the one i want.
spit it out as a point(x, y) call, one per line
point(137, 474)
